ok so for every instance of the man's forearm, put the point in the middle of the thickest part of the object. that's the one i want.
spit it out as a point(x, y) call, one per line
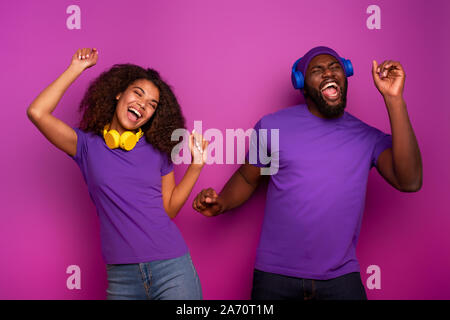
point(405, 150)
point(236, 191)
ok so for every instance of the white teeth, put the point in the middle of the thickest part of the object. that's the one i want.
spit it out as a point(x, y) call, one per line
point(330, 84)
point(135, 112)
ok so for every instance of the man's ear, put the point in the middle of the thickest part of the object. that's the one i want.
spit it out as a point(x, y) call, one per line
point(305, 91)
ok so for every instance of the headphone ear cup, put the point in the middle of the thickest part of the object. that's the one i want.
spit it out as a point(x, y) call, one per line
point(348, 67)
point(112, 139)
point(297, 79)
point(128, 140)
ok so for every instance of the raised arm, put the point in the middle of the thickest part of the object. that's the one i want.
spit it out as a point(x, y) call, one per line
point(40, 110)
point(401, 166)
point(237, 190)
point(174, 196)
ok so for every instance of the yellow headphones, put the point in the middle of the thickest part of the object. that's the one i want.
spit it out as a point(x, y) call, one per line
point(126, 141)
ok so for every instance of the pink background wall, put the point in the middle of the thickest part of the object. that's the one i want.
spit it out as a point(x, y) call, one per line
point(229, 63)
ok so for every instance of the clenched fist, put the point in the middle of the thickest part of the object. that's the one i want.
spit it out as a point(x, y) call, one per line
point(208, 203)
point(84, 58)
point(389, 78)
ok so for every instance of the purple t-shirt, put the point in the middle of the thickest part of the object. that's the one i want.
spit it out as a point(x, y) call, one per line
point(315, 201)
point(125, 187)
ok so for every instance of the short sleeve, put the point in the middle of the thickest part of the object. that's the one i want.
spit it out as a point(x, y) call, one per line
point(382, 142)
point(81, 146)
point(166, 165)
point(258, 152)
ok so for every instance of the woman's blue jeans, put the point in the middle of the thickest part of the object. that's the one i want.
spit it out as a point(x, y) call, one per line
point(171, 279)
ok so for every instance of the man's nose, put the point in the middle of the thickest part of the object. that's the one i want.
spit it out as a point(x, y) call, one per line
point(327, 73)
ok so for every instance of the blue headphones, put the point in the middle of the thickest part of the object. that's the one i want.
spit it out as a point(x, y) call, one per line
point(298, 80)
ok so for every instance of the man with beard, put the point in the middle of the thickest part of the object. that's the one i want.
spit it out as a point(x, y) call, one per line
point(315, 201)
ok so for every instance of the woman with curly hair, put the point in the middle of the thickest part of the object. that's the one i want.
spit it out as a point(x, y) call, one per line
point(123, 149)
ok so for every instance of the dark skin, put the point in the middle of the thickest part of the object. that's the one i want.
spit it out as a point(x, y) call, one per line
point(322, 70)
point(400, 166)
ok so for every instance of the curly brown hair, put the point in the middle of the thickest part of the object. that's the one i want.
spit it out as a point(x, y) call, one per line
point(99, 105)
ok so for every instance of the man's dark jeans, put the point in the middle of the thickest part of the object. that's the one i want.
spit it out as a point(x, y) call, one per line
point(271, 286)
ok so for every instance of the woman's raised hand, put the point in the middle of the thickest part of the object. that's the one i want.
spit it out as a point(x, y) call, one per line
point(84, 58)
point(198, 146)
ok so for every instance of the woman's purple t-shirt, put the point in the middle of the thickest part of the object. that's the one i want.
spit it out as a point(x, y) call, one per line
point(315, 201)
point(125, 187)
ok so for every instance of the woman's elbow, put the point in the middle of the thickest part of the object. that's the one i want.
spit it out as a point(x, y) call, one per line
point(172, 213)
point(33, 114)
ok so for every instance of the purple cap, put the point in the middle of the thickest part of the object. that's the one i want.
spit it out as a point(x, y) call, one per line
point(304, 62)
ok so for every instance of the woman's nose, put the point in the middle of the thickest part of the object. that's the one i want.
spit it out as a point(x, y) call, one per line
point(140, 104)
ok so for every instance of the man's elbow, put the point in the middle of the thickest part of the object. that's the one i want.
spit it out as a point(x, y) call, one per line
point(411, 187)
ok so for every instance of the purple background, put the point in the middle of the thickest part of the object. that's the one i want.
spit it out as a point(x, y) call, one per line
point(229, 64)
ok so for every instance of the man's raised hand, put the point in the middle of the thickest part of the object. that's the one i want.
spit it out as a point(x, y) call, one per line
point(389, 78)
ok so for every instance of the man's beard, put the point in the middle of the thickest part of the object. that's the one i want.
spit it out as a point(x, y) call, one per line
point(324, 108)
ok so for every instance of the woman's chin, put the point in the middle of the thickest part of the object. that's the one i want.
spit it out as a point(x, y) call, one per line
point(129, 124)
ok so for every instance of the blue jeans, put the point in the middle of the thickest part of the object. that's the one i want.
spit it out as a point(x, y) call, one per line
point(271, 286)
point(171, 279)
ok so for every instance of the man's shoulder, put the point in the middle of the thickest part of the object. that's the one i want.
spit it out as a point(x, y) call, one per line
point(354, 120)
point(362, 126)
point(280, 116)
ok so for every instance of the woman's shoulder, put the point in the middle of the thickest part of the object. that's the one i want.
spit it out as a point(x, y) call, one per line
point(86, 134)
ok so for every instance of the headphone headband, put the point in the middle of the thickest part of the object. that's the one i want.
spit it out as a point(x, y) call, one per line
point(298, 79)
point(127, 140)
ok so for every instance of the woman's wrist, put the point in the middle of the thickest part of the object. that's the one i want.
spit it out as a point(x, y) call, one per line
point(75, 70)
point(196, 166)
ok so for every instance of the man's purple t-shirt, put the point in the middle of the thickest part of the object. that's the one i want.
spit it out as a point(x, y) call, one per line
point(315, 201)
point(125, 187)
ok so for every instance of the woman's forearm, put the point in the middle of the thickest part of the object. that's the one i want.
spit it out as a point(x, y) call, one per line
point(182, 191)
point(48, 99)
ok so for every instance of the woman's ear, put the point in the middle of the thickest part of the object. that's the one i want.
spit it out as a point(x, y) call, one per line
point(118, 96)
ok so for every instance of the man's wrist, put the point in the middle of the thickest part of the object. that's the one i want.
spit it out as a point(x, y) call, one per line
point(394, 100)
point(222, 205)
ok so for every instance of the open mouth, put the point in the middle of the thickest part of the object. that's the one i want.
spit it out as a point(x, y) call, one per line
point(133, 114)
point(331, 90)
